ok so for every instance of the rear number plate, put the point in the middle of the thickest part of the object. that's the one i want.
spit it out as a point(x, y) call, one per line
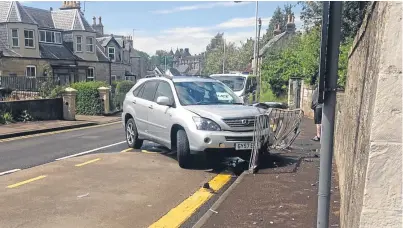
point(243, 146)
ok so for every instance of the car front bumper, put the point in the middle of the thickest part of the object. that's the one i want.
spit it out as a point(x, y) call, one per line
point(207, 140)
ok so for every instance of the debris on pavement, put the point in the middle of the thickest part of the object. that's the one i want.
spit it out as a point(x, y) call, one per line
point(81, 196)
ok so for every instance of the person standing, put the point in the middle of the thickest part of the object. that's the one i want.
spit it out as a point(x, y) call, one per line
point(317, 113)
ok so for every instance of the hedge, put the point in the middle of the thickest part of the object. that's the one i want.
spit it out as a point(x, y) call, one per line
point(88, 101)
point(122, 88)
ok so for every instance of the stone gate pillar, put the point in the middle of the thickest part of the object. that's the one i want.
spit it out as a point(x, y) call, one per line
point(69, 104)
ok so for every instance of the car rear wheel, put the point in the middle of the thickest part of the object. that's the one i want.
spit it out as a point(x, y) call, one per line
point(132, 137)
point(183, 150)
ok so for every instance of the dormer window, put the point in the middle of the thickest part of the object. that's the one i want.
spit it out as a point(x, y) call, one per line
point(50, 37)
point(111, 53)
point(90, 44)
point(29, 38)
point(79, 40)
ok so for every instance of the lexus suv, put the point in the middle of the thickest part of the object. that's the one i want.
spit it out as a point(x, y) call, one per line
point(188, 115)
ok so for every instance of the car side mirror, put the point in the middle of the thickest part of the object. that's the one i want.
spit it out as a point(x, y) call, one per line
point(162, 100)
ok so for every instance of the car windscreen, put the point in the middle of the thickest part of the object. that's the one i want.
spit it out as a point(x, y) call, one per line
point(236, 83)
point(205, 93)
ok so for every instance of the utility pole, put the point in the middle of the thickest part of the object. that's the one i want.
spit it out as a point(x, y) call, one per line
point(223, 59)
point(328, 81)
point(257, 63)
point(255, 51)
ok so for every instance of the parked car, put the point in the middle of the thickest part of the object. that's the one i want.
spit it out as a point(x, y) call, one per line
point(188, 115)
point(242, 85)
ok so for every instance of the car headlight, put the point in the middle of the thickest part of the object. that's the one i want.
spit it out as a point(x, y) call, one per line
point(206, 124)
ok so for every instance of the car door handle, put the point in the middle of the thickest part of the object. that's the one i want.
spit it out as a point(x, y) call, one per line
point(150, 107)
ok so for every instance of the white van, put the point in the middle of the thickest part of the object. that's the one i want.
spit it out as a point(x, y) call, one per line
point(243, 85)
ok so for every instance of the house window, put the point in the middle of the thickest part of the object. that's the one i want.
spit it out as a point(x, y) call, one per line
point(90, 74)
point(30, 71)
point(58, 37)
point(42, 36)
point(14, 38)
point(113, 77)
point(50, 37)
point(29, 38)
point(78, 44)
point(111, 53)
point(90, 44)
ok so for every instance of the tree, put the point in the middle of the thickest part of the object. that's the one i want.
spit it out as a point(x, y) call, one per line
point(352, 16)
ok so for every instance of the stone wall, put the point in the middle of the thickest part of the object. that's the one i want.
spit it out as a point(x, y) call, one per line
point(40, 109)
point(368, 135)
point(17, 66)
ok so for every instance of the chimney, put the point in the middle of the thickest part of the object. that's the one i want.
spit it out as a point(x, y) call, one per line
point(290, 24)
point(100, 20)
point(99, 28)
point(94, 21)
point(70, 5)
point(277, 30)
point(51, 9)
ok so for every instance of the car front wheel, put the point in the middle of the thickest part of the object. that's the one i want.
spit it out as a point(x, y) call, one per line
point(183, 150)
point(132, 137)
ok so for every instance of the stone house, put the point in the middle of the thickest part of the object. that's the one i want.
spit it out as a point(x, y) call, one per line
point(126, 63)
point(35, 42)
point(279, 40)
point(186, 63)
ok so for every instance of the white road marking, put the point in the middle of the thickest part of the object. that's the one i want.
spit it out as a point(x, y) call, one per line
point(9, 171)
point(90, 151)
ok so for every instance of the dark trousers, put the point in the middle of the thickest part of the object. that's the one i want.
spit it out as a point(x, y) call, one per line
point(317, 115)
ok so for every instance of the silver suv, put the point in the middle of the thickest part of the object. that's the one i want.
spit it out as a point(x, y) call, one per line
point(188, 115)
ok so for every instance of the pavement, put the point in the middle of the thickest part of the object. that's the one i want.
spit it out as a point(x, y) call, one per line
point(34, 127)
point(282, 194)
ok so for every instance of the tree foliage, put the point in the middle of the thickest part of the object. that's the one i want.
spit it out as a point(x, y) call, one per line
point(300, 57)
point(236, 57)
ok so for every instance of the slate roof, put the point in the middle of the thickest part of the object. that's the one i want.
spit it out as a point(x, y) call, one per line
point(14, 12)
point(70, 19)
point(272, 42)
point(183, 68)
point(54, 51)
point(100, 52)
point(6, 51)
point(42, 17)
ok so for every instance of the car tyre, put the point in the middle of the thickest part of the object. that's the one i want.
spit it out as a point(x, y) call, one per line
point(183, 149)
point(132, 136)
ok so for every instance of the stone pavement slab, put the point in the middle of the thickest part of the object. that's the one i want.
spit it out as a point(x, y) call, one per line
point(129, 189)
point(33, 127)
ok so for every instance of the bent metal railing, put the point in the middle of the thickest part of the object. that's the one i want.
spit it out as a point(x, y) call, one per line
point(275, 129)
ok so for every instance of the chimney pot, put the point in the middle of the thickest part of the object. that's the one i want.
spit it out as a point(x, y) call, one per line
point(100, 20)
point(289, 18)
point(51, 9)
point(94, 20)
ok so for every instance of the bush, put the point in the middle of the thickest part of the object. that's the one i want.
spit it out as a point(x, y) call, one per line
point(122, 88)
point(88, 101)
point(6, 118)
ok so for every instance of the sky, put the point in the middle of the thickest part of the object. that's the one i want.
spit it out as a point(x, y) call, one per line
point(177, 24)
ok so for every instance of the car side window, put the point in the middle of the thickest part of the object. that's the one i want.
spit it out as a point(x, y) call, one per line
point(149, 90)
point(164, 89)
point(138, 91)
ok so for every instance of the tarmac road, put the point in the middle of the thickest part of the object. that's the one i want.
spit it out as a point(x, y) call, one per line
point(31, 151)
